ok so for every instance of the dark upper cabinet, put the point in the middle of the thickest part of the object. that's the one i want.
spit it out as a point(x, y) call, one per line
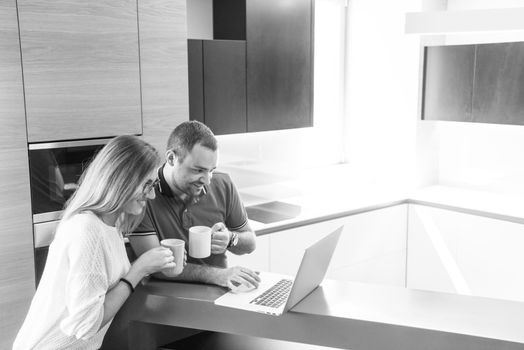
point(229, 19)
point(225, 86)
point(475, 83)
point(279, 64)
point(448, 82)
point(264, 82)
point(217, 84)
point(499, 84)
point(195, 68)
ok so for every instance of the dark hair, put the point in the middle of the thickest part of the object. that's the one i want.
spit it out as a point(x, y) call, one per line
point(187, 134)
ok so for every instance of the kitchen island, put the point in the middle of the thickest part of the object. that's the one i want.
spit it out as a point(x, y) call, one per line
point(340, 314)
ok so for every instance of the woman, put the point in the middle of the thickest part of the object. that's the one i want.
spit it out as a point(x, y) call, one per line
point(88, 276)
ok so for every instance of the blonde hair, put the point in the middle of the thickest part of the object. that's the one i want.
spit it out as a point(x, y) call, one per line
point(111, 180)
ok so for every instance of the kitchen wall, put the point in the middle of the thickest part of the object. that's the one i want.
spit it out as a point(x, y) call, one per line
point(382, 93)
point(473, 155)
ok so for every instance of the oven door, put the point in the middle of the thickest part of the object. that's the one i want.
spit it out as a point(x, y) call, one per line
point(55, 169)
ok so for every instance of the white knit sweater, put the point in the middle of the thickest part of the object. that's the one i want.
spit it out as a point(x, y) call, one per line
point(86, 259)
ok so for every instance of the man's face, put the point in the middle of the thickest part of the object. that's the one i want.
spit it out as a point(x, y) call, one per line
point(195, 170)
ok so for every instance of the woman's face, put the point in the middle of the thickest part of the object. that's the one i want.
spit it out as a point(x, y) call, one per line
point(144, 192)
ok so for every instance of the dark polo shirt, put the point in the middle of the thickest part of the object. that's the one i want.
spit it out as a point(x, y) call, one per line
point(171, 215)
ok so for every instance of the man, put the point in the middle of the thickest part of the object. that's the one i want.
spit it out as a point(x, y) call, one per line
point(191, 193)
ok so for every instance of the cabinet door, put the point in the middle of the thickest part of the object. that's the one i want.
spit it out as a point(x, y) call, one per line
point(163, 66)
point(463, 253)
point(279, 64)
point(81, 68)
point(257, 260)
point(448, 82)
point(17, 276)
point(372, 247)
point(225, 86)
point(432, 250)
point(195, 65)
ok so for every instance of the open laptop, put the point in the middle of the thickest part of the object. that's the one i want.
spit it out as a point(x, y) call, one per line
point(278, 293)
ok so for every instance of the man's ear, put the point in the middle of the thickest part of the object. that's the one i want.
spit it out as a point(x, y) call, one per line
point(171, 157)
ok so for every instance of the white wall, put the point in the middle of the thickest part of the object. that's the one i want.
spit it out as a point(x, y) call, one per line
point(476, 155)
point(200, 19)
point(382, 90)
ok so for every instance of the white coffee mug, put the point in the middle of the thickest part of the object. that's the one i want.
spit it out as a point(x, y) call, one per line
point(200, 241)
point(177, 247)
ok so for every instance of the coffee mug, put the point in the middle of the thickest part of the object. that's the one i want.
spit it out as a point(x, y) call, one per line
point(200, 241)
point(177, 247)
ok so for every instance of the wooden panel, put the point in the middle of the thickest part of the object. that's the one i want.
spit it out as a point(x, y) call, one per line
point(225, 86)
point(196, 79)
point(164, 71)
point(279, 64)
point(448, 83)
point(81, 68)
point(12, 116)
point(498, 95)
point(17, 280)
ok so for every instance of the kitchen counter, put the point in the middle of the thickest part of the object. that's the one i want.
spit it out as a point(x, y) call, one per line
point(339, 314)
point(319, 202)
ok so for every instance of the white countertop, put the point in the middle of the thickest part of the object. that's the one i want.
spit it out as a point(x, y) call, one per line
point(323, 196)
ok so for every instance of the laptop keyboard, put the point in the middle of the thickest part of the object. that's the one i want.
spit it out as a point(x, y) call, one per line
point(274, 296)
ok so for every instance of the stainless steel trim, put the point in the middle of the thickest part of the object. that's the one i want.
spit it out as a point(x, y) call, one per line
point(44, 217)
point(64, 144)
point(44, 233)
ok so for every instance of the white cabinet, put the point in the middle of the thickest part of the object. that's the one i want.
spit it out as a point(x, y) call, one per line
point(462, 253)
point(372, 247)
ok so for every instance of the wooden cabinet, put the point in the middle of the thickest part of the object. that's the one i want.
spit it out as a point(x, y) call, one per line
point(17, 277)
point(81, 68)
point(164, 68)
point(372, 247)
point(462, 253)
point(261, 78)
point(218, 84)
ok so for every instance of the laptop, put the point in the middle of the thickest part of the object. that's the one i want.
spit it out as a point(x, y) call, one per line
point(277, 293)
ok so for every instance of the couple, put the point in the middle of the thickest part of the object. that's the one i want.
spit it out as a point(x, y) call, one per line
point(88, 277)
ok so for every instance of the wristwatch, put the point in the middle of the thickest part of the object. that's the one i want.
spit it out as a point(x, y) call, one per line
point(233, 241)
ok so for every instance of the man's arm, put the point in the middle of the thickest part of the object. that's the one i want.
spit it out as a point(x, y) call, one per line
point(194, 272)
point(246, 241)
point(221, 238)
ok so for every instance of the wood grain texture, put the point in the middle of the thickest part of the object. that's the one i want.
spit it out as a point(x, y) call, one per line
point(12, 116)
point(81, 68)
point(164, 70)
point(17, 279)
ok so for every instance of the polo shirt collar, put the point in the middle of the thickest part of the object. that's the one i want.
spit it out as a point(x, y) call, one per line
point(164, 189)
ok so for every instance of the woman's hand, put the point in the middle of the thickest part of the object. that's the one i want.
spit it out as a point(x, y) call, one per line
point(154, 260)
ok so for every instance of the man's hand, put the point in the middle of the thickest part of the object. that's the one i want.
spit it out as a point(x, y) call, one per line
point(220, 237)
point(235, 276)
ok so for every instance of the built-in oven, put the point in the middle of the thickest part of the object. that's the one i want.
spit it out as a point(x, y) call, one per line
point(55, 169)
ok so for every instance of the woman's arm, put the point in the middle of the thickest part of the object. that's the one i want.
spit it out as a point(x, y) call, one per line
point(151, 261)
